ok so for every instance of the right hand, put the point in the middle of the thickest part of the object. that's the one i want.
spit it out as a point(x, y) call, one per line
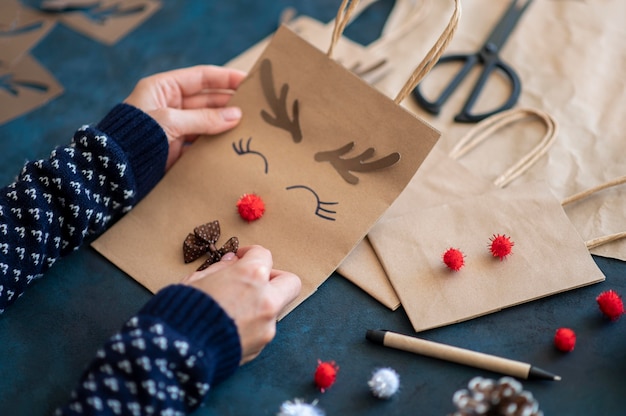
point(251, 292)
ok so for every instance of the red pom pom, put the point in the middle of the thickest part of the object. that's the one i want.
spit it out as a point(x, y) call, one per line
point(251, 207)
point(501, 246)
point(454, 259)
point(325, 374)
point(611, 305)
point(565, 339)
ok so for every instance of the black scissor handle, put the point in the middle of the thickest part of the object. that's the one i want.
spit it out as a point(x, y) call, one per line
point(466, 115)
point(434, 107)
point(490, 64)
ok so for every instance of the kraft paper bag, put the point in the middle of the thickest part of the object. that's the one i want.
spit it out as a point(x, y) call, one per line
point(548, 255)
point(569, 56)
point(326, 152)
point(443, 179)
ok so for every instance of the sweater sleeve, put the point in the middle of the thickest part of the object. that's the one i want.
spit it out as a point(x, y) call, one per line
point(78, 192)
point(163, 361)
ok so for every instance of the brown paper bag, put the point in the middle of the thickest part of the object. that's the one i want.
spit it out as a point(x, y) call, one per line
point(327, 153)
point(442, 179)
point(548, 255)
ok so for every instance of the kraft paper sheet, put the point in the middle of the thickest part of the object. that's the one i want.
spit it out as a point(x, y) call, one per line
point(21, 28)
point(110, 20)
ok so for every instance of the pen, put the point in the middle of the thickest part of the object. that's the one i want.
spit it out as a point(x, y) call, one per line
point(458, 355)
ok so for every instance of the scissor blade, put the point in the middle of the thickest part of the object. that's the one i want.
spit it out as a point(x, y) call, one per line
point(507, 23)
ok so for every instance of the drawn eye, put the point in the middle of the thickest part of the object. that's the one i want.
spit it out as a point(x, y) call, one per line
point(320, 211)
point(240, 150)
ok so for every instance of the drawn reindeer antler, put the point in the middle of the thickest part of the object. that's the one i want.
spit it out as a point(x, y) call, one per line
point(355, 164)
point(278, 105)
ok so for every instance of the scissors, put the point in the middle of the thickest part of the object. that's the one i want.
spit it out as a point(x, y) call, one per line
point(487, 56)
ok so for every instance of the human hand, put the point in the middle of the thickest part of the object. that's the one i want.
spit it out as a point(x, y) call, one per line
point(251, 292)
point(189, 102)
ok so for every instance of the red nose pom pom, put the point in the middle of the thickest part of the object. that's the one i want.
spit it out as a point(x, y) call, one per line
point(565, 339)
point(501, 246)
point(251, 207)
point(454, 259)
point(325, 374)
point(611, 304)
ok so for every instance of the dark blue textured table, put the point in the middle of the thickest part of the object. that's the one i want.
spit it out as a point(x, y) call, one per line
point(53, 331)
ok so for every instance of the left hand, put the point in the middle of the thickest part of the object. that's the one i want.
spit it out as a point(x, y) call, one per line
point(189, 102)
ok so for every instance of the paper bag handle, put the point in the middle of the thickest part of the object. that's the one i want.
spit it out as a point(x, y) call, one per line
point(488, 126)
point(596, 242)
point(343, 18)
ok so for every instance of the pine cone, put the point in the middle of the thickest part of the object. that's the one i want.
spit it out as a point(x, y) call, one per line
point(486, 397)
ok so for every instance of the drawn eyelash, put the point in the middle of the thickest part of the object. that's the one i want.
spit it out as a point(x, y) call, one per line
point(241, 151)
point(319, 209)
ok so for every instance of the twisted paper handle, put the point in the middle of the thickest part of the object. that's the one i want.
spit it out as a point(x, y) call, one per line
point(341, 21)
point(488, 126)
point(433, 55)
point(343, 18)
point(596, 242)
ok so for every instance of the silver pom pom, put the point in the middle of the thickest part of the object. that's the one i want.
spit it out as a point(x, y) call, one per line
point(384, 383)
point(300, 408)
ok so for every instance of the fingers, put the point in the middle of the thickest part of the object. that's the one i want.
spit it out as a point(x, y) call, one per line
point(227, 260)
point(286, 285)
point(179, 123)
point(209, 99)
point(196, 79)
point(256, 262)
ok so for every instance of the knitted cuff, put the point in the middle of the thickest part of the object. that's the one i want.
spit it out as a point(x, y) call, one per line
point(143, 141)
point(198, 317)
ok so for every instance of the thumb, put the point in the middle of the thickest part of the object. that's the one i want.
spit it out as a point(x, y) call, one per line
point(184, 122)
point(227, 260)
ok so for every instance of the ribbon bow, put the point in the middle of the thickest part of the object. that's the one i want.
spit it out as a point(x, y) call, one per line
point(203, 240)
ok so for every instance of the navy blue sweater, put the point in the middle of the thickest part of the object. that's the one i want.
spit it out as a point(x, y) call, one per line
point(164, 359)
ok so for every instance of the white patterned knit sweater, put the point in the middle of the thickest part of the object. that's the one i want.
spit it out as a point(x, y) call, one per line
point(165, 358)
